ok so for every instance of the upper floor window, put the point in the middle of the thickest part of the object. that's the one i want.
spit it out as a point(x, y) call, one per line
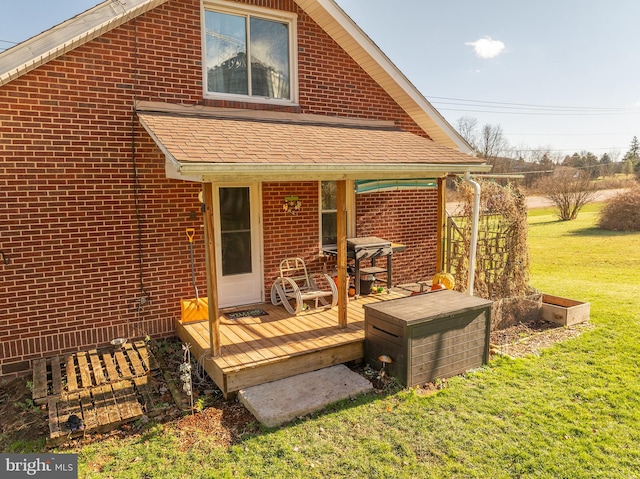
point(248, 55)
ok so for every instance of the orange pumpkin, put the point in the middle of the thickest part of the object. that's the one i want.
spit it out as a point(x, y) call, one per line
point(445, 279)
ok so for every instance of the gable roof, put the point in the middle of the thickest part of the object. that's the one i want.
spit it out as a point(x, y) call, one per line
point(108, 15)
point(207, 143)
point(68, 35)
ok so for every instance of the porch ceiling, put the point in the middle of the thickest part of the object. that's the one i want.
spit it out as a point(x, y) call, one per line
point(208, 144)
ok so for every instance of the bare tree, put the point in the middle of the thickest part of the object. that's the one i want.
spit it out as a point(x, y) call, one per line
point(541, 155)
point(614, 154)
point(467, 127)
point(569, 190)
point(492, 142)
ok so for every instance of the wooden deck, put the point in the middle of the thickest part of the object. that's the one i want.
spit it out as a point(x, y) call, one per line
point(257, 350)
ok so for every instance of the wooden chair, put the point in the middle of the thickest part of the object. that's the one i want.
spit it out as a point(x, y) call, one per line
point(295, 284)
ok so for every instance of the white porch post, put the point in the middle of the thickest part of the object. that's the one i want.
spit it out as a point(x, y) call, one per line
point(442, 224)
point(474, 232)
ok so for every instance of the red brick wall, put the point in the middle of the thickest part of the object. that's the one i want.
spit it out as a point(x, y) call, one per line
point(68, 218)
point(287, 235)
point(406, 217)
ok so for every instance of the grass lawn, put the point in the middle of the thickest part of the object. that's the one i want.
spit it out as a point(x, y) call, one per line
point(571, 412)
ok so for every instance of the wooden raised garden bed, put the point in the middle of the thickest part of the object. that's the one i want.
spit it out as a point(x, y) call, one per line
point(564, 311)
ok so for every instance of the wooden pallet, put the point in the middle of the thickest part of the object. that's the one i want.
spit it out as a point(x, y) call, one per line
point(102, 408)
point(53, 376)
point(104, 388)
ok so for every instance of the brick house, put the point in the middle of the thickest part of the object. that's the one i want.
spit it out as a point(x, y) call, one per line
point(113, 123)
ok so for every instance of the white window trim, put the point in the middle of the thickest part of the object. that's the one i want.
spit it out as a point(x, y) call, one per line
point(277, 15)
point(351, 211)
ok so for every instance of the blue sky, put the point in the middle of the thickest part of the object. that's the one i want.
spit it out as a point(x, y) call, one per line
point(562, 74)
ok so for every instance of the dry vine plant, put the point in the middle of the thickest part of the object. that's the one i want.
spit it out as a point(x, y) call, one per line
point(502, 257)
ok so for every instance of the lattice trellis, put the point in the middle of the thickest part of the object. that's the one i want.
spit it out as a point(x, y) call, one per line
point(502, 259)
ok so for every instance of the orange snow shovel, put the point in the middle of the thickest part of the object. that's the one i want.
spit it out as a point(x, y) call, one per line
point(196, 309)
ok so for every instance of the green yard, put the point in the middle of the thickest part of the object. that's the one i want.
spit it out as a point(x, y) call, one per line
point(571, 412)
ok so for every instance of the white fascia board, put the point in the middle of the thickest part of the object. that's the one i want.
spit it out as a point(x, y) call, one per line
point(172, 171)
point(327, 172)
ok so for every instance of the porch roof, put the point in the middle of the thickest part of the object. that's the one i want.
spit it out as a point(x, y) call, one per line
point(210, 144)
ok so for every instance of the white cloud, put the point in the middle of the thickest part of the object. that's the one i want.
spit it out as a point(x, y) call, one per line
point(487, 47)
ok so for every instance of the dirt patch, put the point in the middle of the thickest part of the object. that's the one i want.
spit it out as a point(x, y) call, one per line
point(22, 423)
point(225, 423)
point(527, 338)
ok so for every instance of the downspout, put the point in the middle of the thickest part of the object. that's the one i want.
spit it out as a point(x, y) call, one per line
point(475, 219)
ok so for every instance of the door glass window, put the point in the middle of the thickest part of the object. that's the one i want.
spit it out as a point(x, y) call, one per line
point(235, 231)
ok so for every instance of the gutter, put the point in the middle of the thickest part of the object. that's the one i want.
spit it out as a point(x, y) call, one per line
point(475, 219)
point(234, 172)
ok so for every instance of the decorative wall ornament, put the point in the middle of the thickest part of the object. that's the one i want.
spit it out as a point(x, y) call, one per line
point(291, 205)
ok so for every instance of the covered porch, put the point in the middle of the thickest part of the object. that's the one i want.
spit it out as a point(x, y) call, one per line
point(222, 148)
point(256, 350)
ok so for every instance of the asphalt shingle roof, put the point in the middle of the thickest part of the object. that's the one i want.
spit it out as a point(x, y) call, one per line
point(210, 139)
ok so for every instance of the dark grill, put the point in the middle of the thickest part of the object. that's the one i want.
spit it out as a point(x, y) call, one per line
point(371, 248)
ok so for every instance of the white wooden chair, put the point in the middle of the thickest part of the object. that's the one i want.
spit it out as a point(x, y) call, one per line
point(297, 286)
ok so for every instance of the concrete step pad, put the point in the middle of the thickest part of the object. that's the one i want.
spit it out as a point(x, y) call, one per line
point(284, 400)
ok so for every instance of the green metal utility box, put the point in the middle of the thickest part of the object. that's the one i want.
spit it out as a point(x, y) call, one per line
point(431, 335)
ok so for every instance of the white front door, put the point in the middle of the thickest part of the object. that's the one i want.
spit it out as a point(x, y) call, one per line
point(238, 244)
